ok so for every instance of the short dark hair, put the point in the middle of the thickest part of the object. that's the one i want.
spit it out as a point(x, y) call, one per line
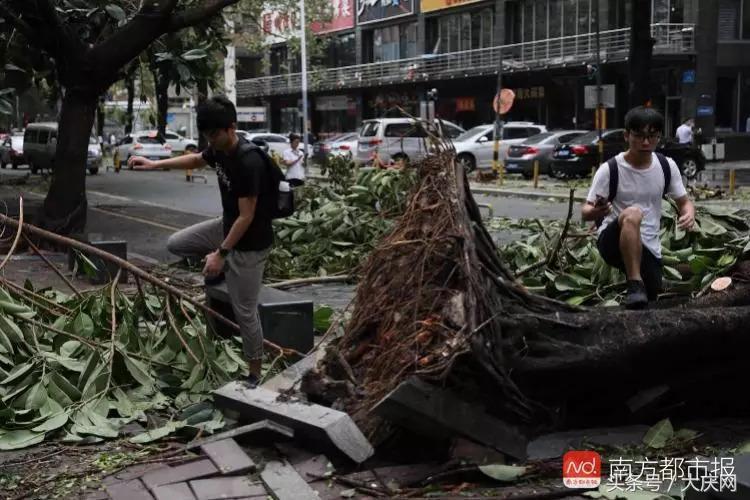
point(216, 113)
point(294, 136)
point(641, 117)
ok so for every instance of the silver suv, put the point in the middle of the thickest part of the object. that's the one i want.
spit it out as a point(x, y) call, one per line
point(398, 138)
point(475, 148)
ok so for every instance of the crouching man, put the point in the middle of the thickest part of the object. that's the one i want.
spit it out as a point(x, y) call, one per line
point(625, 199)
point(237, 244)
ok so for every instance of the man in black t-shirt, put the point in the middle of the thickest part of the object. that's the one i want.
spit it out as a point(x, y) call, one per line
point(238, 243)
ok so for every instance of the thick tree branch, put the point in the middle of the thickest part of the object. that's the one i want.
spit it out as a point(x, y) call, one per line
point(198, 15)
point(17, 22)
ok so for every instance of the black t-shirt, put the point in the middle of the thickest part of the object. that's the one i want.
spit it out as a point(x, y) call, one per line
point(240, 177)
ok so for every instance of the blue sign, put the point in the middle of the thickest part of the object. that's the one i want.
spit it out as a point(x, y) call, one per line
point(705, 111)
point(170, 117)
point(688, 76)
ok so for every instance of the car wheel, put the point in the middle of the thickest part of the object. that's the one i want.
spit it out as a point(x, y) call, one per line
point(191, 149)
point(689, 168)
point(94, 171)
point(32, 167)
point(13, 165)
point(3, 164)
point(467, 162)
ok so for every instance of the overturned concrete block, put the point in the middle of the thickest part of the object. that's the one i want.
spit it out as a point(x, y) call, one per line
point(314, 423)
point(436, 412)
point(261, 432)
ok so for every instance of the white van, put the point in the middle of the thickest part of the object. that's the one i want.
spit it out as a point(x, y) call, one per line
point(398, 138)
point(40, 145)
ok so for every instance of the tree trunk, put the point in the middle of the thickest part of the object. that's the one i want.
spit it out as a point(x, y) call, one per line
point(202, 96)
point(162, 102)
point(131, 96)
point(641, 50)
point(100, 121)
point(65, 205)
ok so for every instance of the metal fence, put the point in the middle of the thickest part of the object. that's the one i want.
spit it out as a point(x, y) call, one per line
point(541, 54)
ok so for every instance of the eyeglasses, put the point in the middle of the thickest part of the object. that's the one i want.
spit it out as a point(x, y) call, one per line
point(642, 137)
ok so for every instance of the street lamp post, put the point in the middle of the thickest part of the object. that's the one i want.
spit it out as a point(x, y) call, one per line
point(303, 55)
point(497, 129)
point(599, 104)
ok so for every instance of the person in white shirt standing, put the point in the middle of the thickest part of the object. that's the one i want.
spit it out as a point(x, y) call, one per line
point(293, 159)
point(685, 131)
point(625, 197)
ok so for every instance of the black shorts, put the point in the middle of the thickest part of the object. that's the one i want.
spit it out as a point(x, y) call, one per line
point(295, 182)
point(609, 248)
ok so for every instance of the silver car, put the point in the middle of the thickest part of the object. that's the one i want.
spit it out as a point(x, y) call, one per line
point(11, 151)
point(146, 144)
point(180, 144)
point(521, 157)
point(398, 139)
point(277, 143)
point(474, 149)
point(342, 145)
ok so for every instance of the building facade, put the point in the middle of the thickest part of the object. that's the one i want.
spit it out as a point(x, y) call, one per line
point(389, 53)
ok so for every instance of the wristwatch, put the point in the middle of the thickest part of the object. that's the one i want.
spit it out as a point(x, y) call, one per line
point(224, 252)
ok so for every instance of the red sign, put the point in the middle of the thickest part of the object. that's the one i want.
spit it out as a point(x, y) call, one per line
point(503, 101)
point(582, 469)
point(464, 104)
point(342, 18)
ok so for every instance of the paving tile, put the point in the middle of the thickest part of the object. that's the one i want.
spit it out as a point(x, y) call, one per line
point(176, 491)
point(128, 490)
point(227, 487)
point(228, 457)
point(168, 475)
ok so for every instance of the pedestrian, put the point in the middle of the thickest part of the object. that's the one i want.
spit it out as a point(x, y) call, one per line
point(685, 131)
point(238, 243)
point(293, 159)
point(628, 207)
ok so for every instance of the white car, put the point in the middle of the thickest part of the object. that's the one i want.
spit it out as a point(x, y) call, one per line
point(398, 138)
point(146, 144)
point(180, 144)
point(475, 147)
point(277, 143)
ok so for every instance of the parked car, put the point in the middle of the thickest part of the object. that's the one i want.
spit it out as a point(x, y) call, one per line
point(342, 145)
point(475, 148)
point(580, 156)
point(521, 157)
point(277, 143)
point(178, 143)
point(11, 151)
point(399, 138)
point(94, 156)
point(40, 146)
point(144, 143)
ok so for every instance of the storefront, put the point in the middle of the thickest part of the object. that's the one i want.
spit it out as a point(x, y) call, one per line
point(389, 29)
point(335, 114)
point(454, 26)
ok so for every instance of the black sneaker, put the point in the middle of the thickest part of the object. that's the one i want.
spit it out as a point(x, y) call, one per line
point(213, 280)
point(636, 297)
point(251, 381)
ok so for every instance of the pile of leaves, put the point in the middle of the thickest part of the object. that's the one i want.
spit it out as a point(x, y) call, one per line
point(691, 260)
point(337, 225)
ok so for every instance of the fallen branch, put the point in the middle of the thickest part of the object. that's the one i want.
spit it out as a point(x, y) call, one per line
point(313, 280)
point(69, 242)
point(19, 226)
point(52, 266)
point(35, 297)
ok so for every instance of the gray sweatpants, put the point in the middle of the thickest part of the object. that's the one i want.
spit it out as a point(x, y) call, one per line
point(244, 276)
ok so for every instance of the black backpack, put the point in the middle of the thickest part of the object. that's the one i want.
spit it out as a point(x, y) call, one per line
point(614, 175)
point(284, 206)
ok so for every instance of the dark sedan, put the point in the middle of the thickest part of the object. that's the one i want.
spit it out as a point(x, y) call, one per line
point(579, 157)
point(521, 157)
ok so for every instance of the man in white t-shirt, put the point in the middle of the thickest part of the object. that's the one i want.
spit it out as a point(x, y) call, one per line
point(685, 132)
point(630, 220)
point(293, 159)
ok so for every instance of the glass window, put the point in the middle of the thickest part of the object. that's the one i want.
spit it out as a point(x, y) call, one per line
point(564, 139)
point(660, 13)
point(540, 16)
point(569, 17)
point(584, 11)
point(614, 138)
point(746, 20)
point(408, 40)
point(528, 21)
point(488, 27)
point(538, 138)
point(171, 136)
point(555, 18)
point(729, 13)
point(405, 130)
point(515, 132)
point(275, 138)
point(369, 129)
point(144, 139)
point(470, 133)
point(533, 131)
point(451, 131)
point(127, 140)
point(43, 137)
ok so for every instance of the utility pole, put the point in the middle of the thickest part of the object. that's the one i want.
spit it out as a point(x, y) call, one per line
point(497, 167)
point(600, 116)
point(230, 68)
point(303, 55)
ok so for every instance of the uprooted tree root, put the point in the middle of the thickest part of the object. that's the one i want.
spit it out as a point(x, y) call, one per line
point(436, 301)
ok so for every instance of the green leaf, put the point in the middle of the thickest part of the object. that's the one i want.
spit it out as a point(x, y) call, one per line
point(505, 473)
point(14, 440)
point(658, 435)
point(577, 300)
point(70, 390)
point(565, 283)
point(685, 435)
point(158, 433)
point(82, 325)
point(37, 397)
point(52, 423)
point(742, 449)
point(322, 318)
point(139, 371)
point(116, 12)
point(194, 54)
point(672, 273)
point(17, 372)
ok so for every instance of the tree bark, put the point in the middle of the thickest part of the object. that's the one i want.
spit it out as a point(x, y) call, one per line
point(65, 205)
point(129, 112)
point(100, 121)
point(202, 96)
point(162, 101)
point(641, 50)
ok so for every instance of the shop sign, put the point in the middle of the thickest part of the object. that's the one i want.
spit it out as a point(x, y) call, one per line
point(432, 5)
point(251, 114)
point(332, 103)
point(342, 18)
point(370, 11)
point(464, 104)
point(279, 26)
point(523, 94)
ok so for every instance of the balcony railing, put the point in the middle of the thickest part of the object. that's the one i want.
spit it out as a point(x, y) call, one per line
point(529, 56)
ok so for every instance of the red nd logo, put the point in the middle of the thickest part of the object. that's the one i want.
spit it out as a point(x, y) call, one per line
point(582, 469)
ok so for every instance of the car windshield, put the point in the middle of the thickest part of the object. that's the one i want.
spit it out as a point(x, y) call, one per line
point(538, 138)
point(344, 137)
point(586, 138)
point(144, 139)
point(471, 133)
point(369, 129)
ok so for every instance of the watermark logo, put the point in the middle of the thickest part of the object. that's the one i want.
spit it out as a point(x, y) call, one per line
point(582, 469)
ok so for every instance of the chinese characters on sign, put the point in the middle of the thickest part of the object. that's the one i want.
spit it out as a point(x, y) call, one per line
point(369, 11)
point(530, 93)
point(342, 17)
point(278, 26)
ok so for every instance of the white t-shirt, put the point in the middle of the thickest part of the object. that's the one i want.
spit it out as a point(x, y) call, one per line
point(642, 188)
point(685, 133)
point(297, 170)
